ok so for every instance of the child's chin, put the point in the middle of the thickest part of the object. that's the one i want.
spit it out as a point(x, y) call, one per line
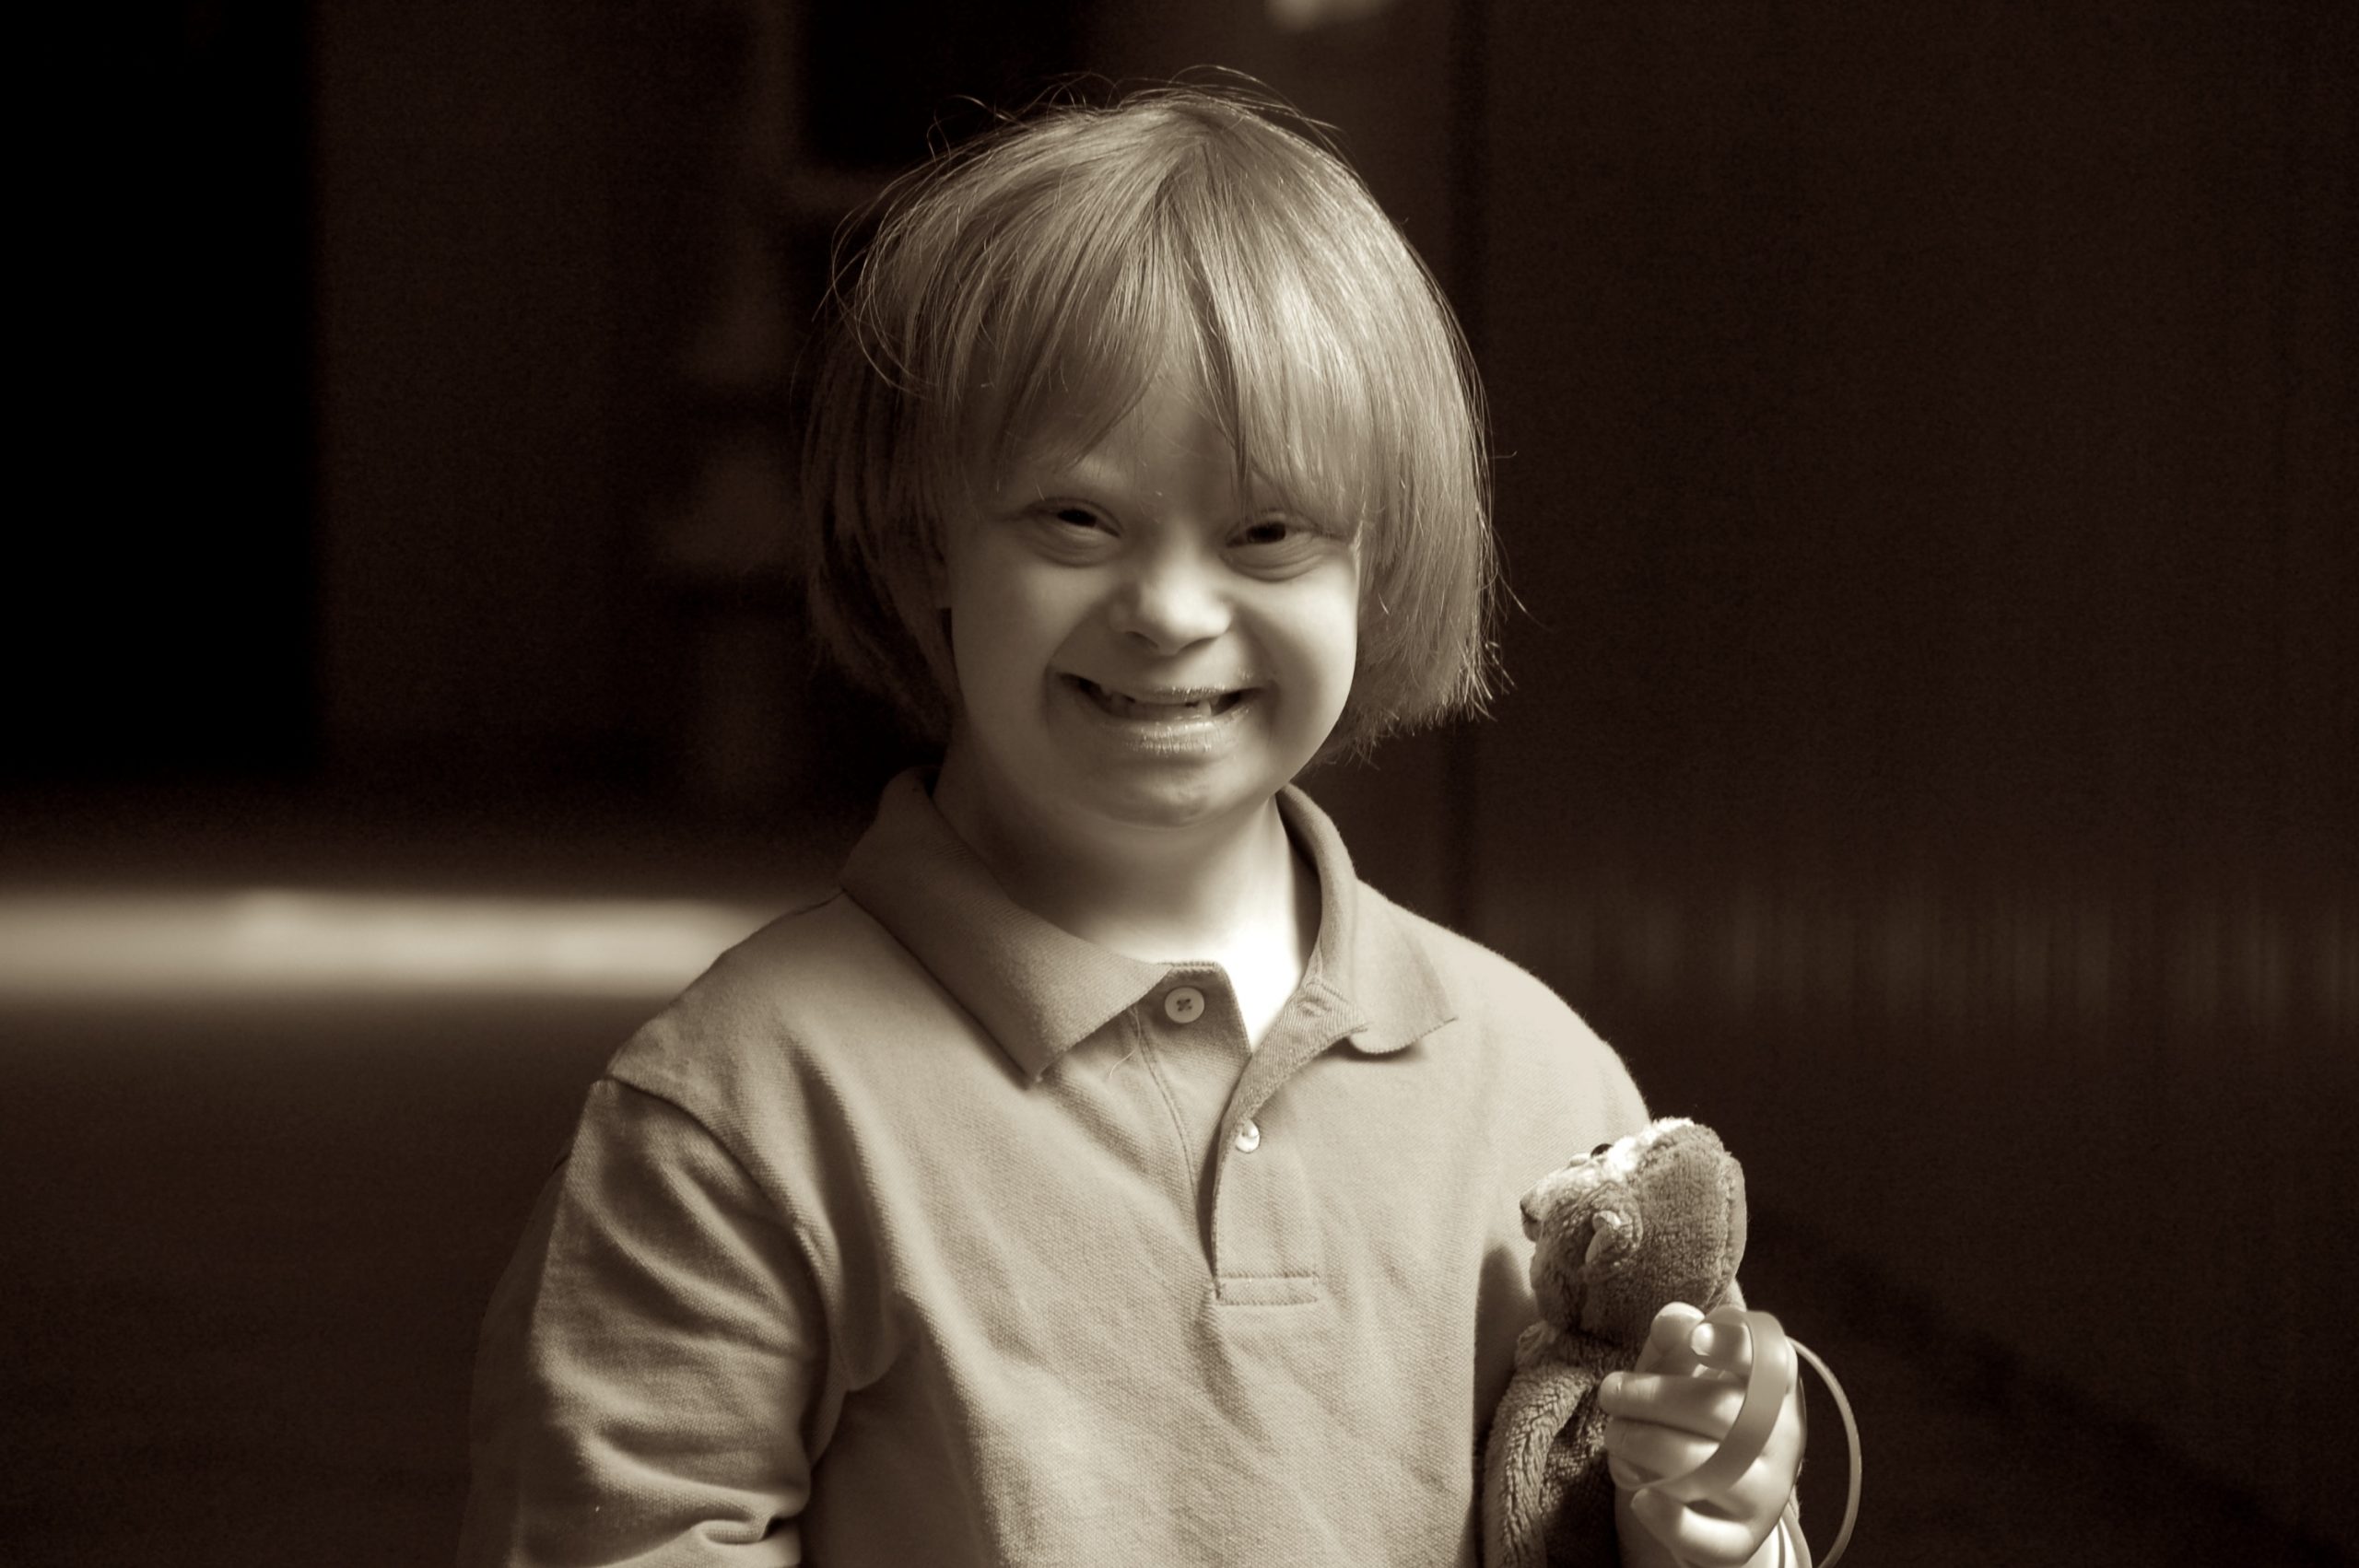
point(1166, 804)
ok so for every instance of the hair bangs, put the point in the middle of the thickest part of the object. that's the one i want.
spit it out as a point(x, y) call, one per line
point(1285, 378)
point(1073, 354)
point(1196, 278)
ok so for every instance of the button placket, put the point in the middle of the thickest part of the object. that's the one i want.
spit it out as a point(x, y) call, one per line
point(1264, 1234)
point(1255, 1212)
point(1265, 1248)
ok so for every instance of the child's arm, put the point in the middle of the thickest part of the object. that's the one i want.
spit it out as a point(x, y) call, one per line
point(1666, 1418)
point(650, 1360)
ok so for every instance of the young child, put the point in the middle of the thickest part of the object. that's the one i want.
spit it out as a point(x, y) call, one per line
point(1105, 1174)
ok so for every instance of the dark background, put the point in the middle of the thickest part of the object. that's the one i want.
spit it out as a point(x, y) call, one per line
point(1925, 475)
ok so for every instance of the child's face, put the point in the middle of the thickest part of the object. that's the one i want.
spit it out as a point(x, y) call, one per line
point(1136, 641)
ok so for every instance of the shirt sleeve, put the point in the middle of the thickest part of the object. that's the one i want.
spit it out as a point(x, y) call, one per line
point(650, 1370)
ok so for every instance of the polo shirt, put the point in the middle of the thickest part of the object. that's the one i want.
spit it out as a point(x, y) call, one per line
point(920, 1231)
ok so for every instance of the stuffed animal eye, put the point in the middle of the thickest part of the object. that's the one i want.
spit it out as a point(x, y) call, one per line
point(1600, 1150)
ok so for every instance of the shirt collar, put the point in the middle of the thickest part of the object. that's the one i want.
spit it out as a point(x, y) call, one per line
point(1040, 991)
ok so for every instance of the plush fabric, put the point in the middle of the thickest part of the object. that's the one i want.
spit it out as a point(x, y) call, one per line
point(1618, 1234)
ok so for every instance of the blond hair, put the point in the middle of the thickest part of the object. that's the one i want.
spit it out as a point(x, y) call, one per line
point(1031, 284)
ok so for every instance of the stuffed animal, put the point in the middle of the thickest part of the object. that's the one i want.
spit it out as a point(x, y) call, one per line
point(1619, 1233)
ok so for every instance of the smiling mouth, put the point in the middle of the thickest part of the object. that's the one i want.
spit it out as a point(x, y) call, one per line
point(1163, 706)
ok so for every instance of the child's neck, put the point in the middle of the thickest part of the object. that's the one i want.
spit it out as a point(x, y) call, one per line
point(1234, 892)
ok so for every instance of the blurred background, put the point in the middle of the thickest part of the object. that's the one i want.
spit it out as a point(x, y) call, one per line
point(1926, 477)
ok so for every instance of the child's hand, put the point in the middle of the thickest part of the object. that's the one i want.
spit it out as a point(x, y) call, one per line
point(1668, 1414)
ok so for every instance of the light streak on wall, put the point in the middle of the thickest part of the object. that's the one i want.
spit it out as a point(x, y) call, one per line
point(262, 942)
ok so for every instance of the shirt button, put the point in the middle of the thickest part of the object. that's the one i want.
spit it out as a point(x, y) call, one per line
point(1185, 1004)
point(1249, 1136)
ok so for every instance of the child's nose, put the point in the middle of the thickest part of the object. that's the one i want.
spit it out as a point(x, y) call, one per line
point(1171, 603)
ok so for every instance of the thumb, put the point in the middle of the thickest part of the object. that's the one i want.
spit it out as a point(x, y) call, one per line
point(1669, 1349)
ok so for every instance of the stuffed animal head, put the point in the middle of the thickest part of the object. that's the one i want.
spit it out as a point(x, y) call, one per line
point(1633, 1226)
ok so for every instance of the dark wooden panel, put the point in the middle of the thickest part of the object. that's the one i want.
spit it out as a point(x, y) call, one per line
point(1933, 752)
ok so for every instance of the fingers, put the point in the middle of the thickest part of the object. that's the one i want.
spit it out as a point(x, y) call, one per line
point(1681, 1339)
point(1702, 1540)
point(1645, 1414)
point(1668, 1349)
point(1704, 1405)
point(1723, 1341)
point(1642, 1454)
point(1671, 1423)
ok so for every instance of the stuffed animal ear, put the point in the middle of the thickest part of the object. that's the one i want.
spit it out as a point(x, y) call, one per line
point(1613, 1237)
point(1616, 1231)
point(1602, 1225)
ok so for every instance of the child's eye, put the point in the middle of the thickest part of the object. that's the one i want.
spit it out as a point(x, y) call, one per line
point(1074, 519)
point(1069, 530)
point(1066, 517)
point(1276, 529)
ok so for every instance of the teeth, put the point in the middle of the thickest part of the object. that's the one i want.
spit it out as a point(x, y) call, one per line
point(1124, 706)
point(1131, 708)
